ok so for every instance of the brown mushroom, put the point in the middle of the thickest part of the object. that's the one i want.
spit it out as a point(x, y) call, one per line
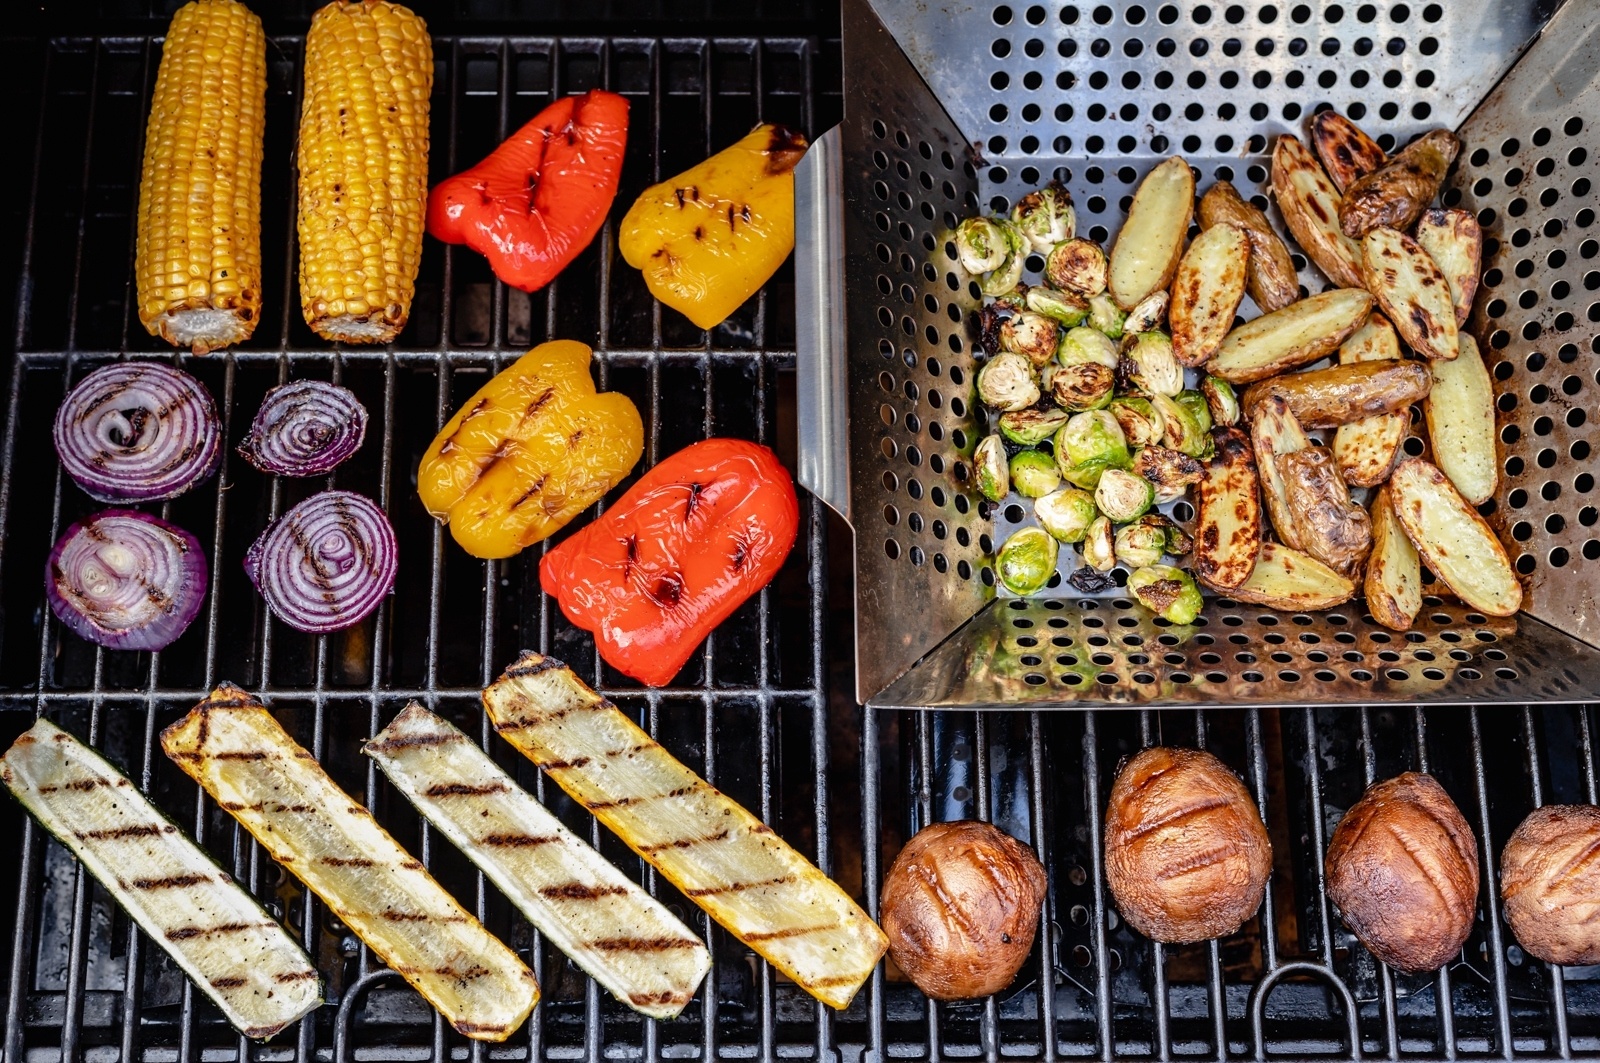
point(1550, 882)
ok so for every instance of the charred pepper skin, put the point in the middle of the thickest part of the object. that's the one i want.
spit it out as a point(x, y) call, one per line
point(687, 545)
point(539, 199)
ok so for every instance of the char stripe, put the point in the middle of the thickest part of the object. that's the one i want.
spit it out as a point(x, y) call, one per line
point(520, 841)
point(738, 887)
point(646, 999)
point(240, 754)
point(643, 944)
point(462, 789)
point(121, 833)
point(532, 668)
point(407, 741)
point(231, 981)
point(684, 843)
point(171, 882)
point(555, 765)
point(184, 933)
point(577, 891)
point(345, 861)
point(790, 932)
point(286, 977)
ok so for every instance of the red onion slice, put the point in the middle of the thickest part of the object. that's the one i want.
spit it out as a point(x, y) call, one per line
point(326, 563)
point(126, 580)
point(305, 428)
point(138, 432)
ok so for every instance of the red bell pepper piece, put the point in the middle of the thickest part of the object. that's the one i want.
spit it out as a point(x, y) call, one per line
point(684, 547)
point(540, 197)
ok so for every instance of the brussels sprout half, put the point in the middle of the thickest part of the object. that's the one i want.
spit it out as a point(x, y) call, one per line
point(1066, 514)
point(1077, 265)
point(1139, 544)
point(1123, 495)
point(1222, 399)
point(1181, 431)
point(993, 473)
point(1007, 384)
point(1030, 427)
point(1155, 370)
point(1106, 315)
point(1198, 408)
point(1031, 335)
point(981, 245)
point(1087, 386)
point(1087, 445)
point(1099, 546)
point(1045, 217)
point(1026, 560)
point(1034, 474)
point(1004, 277)
point(1149, 314)
point(1170, 593)
point(1087, 346)
point(1140, 421)
point(1066, 307)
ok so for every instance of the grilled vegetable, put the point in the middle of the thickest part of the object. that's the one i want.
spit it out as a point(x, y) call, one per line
point(1045, 217)
point(531, 450)
point(1345, 394)
point(1078, 266)
point(1270, 275)
point(305, 428)
point(1151, 241)
point(1139, 544)
point(1066, 514)
point(1031, 335)
point(1228, 526)
point(1550, 884)
point(1199, 411)
point(1034, 474)
point(719, 855)
point(1178, 540)
point(1276, 433)
point(1007, 382)
point(1453, 540)
point(1123, 496)
point(1106, 315)
point(217, 934)
point(1395, 194)
point(1394, 574)
point(1169, 471)
point(1026, 561)
point(1181, 430)
point(1030, 427)
point(1207, 290)
point(1086, 346)
point(1150, 314)
point(1333, 529)
point(363, 168)
point(1302, 332)
point(1411, 291)
point(992, 471)
point(1083, 386)
point(1065, 307)
point(126, 580)
point(1003, 279)
point(1347, 153)
point(1454, 240)
point(1140, 422)
point(239, 754)
point(1221, 400)
point(1460, 415)
point(1366, 450)
point(1155, 370)
point(621, 936)
point(1168, 592)
point(1100, 545)
point(1091, 443)
point(536, 201)
point(1285, 578)
point(1310, 206)
point(198, 245)
point(327, 563)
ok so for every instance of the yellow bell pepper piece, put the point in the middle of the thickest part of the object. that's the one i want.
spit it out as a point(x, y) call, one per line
point(531, 450)
point(709, 238)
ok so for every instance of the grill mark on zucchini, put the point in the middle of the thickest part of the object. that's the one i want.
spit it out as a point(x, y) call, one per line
point(117, 834)
point(790, 932)
point(83, 785)
point(580, 891)
point(346, 861)
point(184, 933)
point(285, 977)
point(461, 789)
point(171, 882)
point(231, 981)
point(519, 841)
point(684, 843)
point(739, 887)
point(643, 944)
point(407, 741)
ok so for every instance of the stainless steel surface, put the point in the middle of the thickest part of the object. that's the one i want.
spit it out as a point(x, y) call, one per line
point(822, 401)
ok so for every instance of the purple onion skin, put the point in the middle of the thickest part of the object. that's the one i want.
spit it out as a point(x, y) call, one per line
point(126, 580)
point(326, 564)
point(138, 432)
point(305, 428)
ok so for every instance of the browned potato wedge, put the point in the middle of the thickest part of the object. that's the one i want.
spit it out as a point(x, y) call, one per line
point(1460, 413)
point(1285, 578)
point(1346, 152)
point(1310, 206)
point(1271, 277)
point(1206, 292)
point(1302, 332)
point(1275, 433)
point(1327, 398)
point(1395, 195)
point(1151, 241)
point(1366, 450)
point(1228, 529)
point(1455, 542)
point(1412, 291)
point(1454, 240)
point(1394, 572)
point(1333, 529)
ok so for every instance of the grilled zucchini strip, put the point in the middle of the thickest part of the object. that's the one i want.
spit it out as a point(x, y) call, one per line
point(621, 936)
point(721, 857)
point(233, 748)
point(214, 931)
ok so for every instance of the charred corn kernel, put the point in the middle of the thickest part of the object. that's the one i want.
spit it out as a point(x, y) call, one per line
point(363, 168)
point(709, 238)
point(198, 247)
point(531, 450)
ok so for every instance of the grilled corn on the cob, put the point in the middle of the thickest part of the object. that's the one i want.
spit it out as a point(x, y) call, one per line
point(198, 261)
point(363, 168)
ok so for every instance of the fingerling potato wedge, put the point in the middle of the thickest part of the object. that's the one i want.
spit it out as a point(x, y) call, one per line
point(1452, 539)
point(1454, 240)
point(1366, 450)
point(1285, 578)
point(1299, 333)
point(1310, 206)
point(1151, 241)
point(1333, 529)
point(1270, 275)
point(1347, 153)
point(1341, 394)
point(1206, 292)
point(1412, 292)
point(1228, 529)
point(1460, 415)
point(1275, 433)
point(1396, 193)
point(1393, 584)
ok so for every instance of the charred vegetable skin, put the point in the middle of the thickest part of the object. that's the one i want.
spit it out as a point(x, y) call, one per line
point(530, 451)
point(538, 199)
point(327, 563)
point(1403, 869)
point(1551, 885)
point(305, 428)
point(688, 544)
point(710, 237)
point(1187, 856)
point(961, 907)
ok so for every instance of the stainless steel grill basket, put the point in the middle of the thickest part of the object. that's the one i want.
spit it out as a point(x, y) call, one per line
point(953, 109)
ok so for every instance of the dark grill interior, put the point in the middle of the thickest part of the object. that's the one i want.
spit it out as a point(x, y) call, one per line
point(763, 710)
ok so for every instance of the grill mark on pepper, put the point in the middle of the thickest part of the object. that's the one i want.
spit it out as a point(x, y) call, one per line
point(739, 887)
point(462, 789)
point(695, 491)
point(784, 150)
point(630, 557)
point(449, 445)
point(577, 891)
point(538, 485)
point(667, 591)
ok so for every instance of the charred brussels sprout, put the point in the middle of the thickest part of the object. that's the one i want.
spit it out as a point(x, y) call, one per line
point(1139, 544)
point(1084, 345)
point(1178, 541)
point(1149, 314)
point(1170, 472)
point(1034, 474)
point(1222, 400)
point(981, 245)
point(1123, 495)
point(1140, 421)
point(1155, 370)
point(1031, 335)
point(1198, 408)
point(1089, 444)
point(1005, 276)
point(1181, 430)
point(1106, 315)
point(1007, 383)
point(1088, 386)
point(1030, 427)
point(1026, 561)
point(1066, 307)
point(1077, 266)
point(1066, 514)
point(1168, 592)
point(1045, 217)
point(994, 476)
point(1099, 545)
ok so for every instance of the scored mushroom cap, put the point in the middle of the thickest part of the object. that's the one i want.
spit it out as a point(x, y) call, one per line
point(1551, 887)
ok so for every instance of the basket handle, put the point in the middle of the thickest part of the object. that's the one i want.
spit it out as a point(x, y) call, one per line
point(822, 398)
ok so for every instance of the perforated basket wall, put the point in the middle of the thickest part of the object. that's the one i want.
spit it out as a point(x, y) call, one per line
point(956, 109)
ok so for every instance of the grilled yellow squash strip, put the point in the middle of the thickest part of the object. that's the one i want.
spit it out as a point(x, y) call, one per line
point(721, 857)
point(214, 931)
point(621, 936)
point(233, 748)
